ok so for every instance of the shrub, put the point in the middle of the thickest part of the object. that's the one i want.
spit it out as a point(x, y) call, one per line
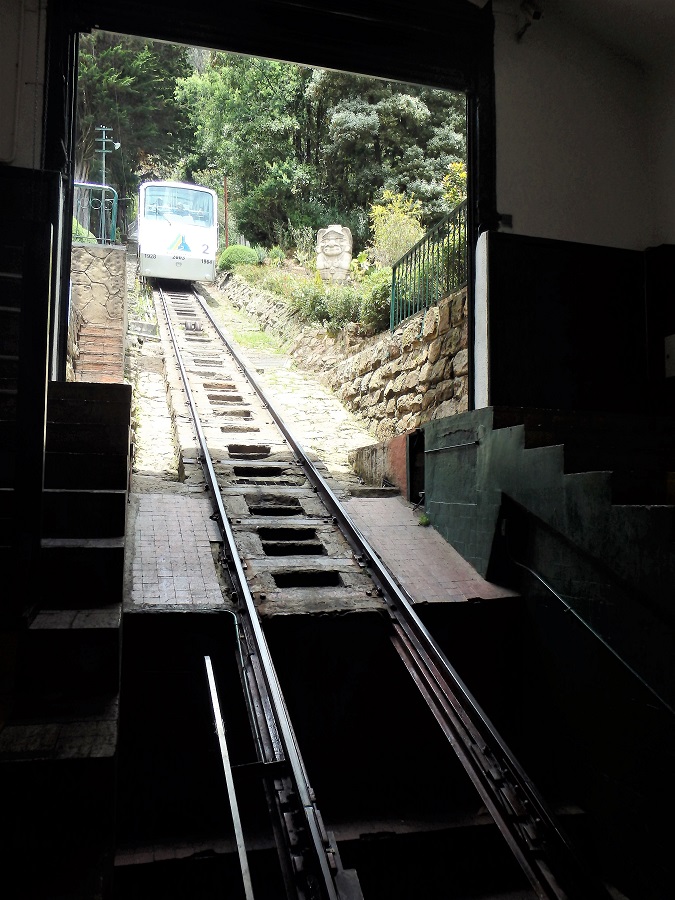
point(375, 299)
point(395, 221)
point(260, 252)
point(304, 240)
point(366, 301)
point(276, 255)
point(236, 255)
point(343, 302)
point(81, 235)
point(309, 300)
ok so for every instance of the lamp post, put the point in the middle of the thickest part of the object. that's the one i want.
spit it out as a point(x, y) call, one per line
point(104, 140)
point(227, 233)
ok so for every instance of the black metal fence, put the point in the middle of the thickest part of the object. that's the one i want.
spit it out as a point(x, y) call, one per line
point(435, 267)
point(94, 213)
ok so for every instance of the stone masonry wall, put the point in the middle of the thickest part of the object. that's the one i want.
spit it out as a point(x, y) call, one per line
point(72, 347)
point(99, 298)
point(394, 381)
point(98, 276)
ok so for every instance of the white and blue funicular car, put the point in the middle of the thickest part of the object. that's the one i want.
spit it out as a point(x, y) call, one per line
point(177, 231)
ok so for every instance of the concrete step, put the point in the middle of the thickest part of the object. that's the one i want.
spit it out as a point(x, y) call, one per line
point(82, 573)
point(57, 781)
point(86, 471)
point(10, 321)
point(104, 377)
point(83, 513)
point(88, 733)
point(85, 437)
point(70, 659)
point(72, 401)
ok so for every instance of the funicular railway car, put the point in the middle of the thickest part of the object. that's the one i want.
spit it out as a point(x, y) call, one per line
point(177, 231)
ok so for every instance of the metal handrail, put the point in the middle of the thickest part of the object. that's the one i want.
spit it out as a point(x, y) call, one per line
point(83, 211)
point(433, 268)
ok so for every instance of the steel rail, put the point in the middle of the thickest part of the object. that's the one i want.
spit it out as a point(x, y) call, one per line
point(545, 853)
point(289, 742)
point(229, 780)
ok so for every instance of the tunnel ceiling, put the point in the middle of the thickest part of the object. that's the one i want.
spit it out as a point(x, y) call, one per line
point(445, 46)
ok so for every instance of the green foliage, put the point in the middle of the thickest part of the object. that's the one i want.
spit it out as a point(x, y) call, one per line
point(260, 252)
point(128, 84)
point(303, 239)
point(424, 520)
point(454, 184)
point(375, 299)
point(396, 226)
point(81, 235)
point(365, 302)
point(276, 255)
point(236, 255)
point(313, 148)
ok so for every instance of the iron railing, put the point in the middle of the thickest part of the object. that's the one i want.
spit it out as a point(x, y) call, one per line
point(95, 212)
point(435, 267)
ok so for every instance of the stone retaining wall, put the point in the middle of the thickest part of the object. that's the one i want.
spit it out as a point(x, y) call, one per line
point(393, 381)
point(72, 348)
point(99, 308)
point(98, 276)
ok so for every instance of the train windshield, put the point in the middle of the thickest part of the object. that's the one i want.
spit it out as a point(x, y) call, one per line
point(174, 203)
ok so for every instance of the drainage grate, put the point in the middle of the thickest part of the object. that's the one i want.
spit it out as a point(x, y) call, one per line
point(225, 398)
point(287, 534)
point(257, 471)
point(248, 451)
point(275, 506)
point(236, 428)
point(307, 579)
point(287, 548)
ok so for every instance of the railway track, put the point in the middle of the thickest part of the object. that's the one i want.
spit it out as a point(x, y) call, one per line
point(289, 545)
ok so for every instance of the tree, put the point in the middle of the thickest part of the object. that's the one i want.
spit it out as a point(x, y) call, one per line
point(309, 147)
point(128, 84)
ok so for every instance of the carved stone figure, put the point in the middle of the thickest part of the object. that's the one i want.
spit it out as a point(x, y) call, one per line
point(333, 252)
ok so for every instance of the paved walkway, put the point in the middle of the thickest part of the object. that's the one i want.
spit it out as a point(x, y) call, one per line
point(423, 563)
point(173, 563)
point(172, 560)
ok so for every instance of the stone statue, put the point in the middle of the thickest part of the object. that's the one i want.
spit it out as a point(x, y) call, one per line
point(333, 252)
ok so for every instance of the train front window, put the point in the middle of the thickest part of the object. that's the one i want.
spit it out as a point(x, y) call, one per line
point(176, 204)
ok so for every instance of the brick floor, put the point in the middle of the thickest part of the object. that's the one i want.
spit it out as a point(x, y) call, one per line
point(172, 559)
point(173, 563)
point(425, 565)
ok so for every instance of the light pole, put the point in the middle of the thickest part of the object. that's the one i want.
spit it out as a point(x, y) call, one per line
point(104, 140)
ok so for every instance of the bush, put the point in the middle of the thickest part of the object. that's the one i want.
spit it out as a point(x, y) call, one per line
point(343, 302)
point(276, 255)
point(375, 299)
point(81, 235)
point(236, 255)
point(366, 301)
point(260, 252)
point(395, 221)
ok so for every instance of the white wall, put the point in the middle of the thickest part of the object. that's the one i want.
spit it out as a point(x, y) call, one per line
point(22, 41)
point(573, 135)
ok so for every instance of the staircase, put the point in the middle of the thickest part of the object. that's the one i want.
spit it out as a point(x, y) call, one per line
point(101, 358)
point(575, 511)
point(58, 746)
point(595, 489)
